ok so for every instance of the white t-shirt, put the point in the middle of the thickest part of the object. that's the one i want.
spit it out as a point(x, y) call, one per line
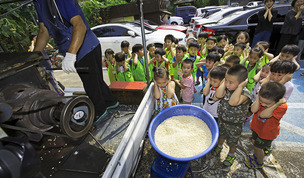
point(289, 88)
point(210, 105)
point(254, 92)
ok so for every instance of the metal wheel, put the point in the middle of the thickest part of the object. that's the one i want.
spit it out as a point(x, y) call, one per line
point(77, 117)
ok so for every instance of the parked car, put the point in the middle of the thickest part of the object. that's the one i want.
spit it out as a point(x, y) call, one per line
point(186, 12)
point(175, 20)
point(164, 27)
point(247, 20)
point(111, 35)
point(234, 4)
point(201, 13)
point(253, 4)
point(206, 14)
point(213, 18)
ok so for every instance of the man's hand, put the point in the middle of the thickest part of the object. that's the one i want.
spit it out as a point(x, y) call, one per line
point(68, 63)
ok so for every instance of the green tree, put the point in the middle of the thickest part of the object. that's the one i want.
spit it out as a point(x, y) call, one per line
point(98, 11)
point(16, 27)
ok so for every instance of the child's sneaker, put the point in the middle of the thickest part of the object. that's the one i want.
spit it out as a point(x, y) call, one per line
point(268, 150)
point(195, 90)
point(202, 91)
point(229, 160)
point(216, 151)
point(197, 83)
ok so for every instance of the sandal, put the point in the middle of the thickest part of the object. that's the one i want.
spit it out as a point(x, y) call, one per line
point(267, 150)
point(229, 161)
point(302, 74)
point(216, 151)
point(251, 165)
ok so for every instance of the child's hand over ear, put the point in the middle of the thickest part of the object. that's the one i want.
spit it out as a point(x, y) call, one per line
point(244, 83)
point(287, 77)
point(282, 101)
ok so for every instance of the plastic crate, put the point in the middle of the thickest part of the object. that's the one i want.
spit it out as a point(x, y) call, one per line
point(164, 168)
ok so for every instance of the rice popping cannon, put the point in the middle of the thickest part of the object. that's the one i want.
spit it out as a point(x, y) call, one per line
point(27, 103)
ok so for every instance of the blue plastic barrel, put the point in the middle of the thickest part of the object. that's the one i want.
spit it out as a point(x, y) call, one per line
point(188, 110)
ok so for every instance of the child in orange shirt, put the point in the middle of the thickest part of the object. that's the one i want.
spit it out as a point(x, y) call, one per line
point(268, 110)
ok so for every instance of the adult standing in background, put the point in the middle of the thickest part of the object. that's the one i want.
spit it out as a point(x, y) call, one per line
point(266, 18)
point(292, 25)
point(65, 22)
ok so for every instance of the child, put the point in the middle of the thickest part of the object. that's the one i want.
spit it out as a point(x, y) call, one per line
point(253, 66)
point(210, 43)
point(288, 52)
point(281, 71)
point(192, 55)
point(169, 47)
point(217, 50)
point(237, 50)
point(232, 60)
point(151, 57)
point(180, 55)
point(212, 60)
point(243, 37)
point(160, 59)
point(264, 72)
point(217, 74)
point(110, 63)
point(222, 41)
point(139, 69)
point(232, 109)
point(268, 110)
point(125, 48)
point(163, 89)
point(186, 83)
point(202, 38)
point(264, 45)
point(123, 72)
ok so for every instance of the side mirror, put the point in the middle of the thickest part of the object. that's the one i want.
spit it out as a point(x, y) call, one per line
point(131, 33)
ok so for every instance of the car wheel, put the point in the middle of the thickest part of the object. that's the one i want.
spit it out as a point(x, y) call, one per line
point(173, 23)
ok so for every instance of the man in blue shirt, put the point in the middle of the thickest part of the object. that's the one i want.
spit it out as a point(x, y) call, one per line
point(65, 22)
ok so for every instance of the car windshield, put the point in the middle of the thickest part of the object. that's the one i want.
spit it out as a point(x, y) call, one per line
point(136, 27)
point(218, 15)
point(230, 17)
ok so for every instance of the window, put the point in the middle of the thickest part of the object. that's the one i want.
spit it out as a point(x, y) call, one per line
point(181, 10)
point(119, 31)
point(253, 19)
point(236, 22)
point(103, 32)
point(228, 13)
point(192, 10)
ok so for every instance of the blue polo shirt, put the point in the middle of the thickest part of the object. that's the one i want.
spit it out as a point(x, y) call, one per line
point(60, 30)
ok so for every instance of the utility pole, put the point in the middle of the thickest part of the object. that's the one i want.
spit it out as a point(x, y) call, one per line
point(143, 36)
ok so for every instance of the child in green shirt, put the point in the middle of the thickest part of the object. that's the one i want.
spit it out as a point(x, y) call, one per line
point(264, 45)
point(138, 62)
point(123, 72)
point(110, 63)
point(169, 47)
